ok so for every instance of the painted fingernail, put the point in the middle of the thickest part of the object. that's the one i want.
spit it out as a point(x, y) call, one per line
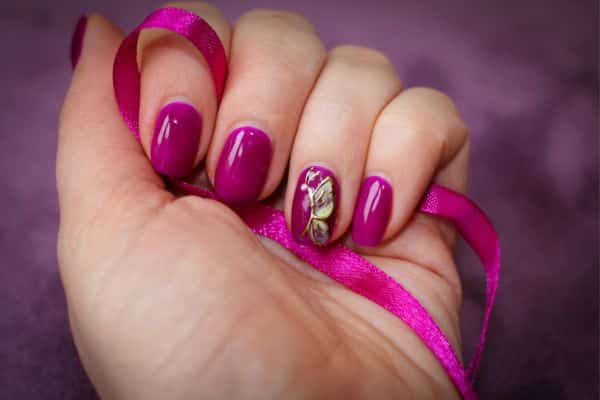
point(372, 212)
point(77, 40)
point(176, 139)
point(314, 206)
point(243, 166)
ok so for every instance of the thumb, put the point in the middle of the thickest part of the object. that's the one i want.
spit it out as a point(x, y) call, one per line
point(99, 162)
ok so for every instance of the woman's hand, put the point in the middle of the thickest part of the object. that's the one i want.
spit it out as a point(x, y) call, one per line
point(174, 297)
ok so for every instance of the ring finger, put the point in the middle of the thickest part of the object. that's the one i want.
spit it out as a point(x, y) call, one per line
point(332, 141)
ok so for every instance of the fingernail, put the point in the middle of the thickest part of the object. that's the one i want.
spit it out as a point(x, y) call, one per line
point(77, 40)
point(372, 212)
point(176, 138)
point(243, 166)
point(314, 206)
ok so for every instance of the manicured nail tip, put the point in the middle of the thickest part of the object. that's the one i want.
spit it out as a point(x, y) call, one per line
point(77, 40)
point(176, 138)
point(372, 212)
point(314, 206)
point(243, 166)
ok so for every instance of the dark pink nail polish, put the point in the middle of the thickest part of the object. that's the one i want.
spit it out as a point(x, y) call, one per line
point(77, 40)
point(243, 166)
point(176, 139)
point(314, 206)
point(372, 212)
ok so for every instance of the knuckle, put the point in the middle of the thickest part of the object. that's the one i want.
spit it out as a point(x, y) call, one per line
point(292, 69)
point(369, 63)
point(415, 127)
point(283, 43)
point(279, 18)
point(430, 93)
point(441, 114)
point(361, 55)
point(294, 46)
point(435, 97)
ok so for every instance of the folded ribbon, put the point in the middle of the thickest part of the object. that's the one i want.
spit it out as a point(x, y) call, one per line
point(338, 262)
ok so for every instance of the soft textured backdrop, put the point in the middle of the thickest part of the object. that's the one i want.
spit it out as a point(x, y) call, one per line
point(524, 74)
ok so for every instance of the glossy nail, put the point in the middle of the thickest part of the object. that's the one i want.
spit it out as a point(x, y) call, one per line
point(372, 212)
point(176, 139)
point(243, 166)
point(77, 40)
point(314, 206)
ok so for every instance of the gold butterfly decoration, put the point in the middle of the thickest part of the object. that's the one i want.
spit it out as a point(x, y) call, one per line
point(321, 207)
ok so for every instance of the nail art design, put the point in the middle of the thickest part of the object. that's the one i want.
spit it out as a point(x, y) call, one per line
point(321, 208)
point(314, 206)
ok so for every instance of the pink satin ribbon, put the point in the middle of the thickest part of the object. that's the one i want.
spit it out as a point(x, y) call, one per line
point(338, 262)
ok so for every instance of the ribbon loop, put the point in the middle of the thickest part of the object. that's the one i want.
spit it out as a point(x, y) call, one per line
point(126, 75)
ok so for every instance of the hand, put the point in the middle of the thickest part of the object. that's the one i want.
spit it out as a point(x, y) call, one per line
point(174, 297)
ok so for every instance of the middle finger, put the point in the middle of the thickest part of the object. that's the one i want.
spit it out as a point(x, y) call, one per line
point(276, 57)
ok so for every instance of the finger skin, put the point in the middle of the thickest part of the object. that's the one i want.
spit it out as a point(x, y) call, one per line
point(178, 102)
point(417, 140)
point(334, 133)
point(275, 59)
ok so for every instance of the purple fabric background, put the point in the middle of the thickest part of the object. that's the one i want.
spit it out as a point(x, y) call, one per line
point(524, 75)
